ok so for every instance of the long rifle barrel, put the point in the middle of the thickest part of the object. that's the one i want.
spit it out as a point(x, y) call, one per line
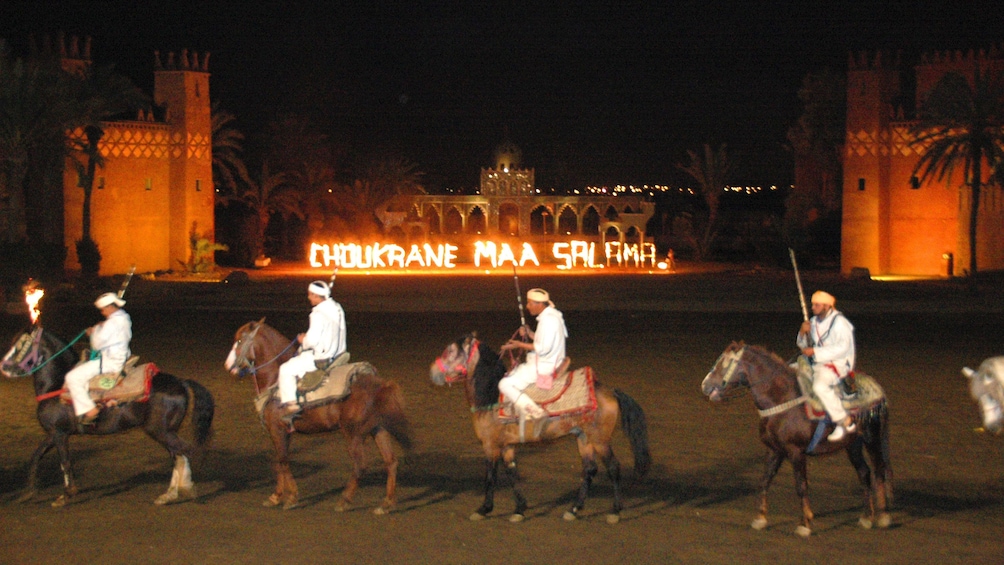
point(125, 283)
point(519, 296)
point(798, 282)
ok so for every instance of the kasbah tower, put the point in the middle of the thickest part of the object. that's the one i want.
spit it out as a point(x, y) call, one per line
point(892, 223)
point(156, 189)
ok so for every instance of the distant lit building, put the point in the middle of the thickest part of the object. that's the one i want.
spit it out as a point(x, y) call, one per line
point(510, 206)
point(893, 224)
point(156, 187)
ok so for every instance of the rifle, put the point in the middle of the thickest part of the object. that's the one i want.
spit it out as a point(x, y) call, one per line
point(125, 283)
point(519, 297)
point(798, 282)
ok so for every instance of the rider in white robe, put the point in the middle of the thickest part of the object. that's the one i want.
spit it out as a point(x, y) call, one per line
point(544, 354)
point(827, 339)
point(110, 342)
point(323, 341)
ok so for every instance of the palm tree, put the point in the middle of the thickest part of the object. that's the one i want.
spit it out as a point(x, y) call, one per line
point(101, 94)
point(962, 125)
point(228, 144)
point(36, 110)
point(270, 194)
point(711, 171)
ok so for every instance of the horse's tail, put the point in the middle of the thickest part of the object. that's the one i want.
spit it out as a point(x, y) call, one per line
point(875, 430)
point(203, 409)
point(633, 422)
point(389, 403)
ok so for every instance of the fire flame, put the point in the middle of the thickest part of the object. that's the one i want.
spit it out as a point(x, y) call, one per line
point(32, 296)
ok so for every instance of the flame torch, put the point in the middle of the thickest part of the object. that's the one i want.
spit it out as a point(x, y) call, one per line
point(33, 294)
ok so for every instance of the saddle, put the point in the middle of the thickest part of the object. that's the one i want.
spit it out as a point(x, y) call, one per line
point(131, 384)
point(571, 393)
point(314, 379)
point(867, 393)
point(335, 386)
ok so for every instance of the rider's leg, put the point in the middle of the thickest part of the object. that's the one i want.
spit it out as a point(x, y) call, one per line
point(76, 381)
point(824, 382)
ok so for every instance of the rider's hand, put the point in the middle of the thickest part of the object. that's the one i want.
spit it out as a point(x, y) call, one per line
point(806, 326)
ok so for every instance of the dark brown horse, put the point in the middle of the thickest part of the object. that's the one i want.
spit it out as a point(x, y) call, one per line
point(47, 359)
point(787, 431)
point(472, 362)
point(375, 407)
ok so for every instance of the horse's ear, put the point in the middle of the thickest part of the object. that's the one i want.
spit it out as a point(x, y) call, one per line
point(474, 335)
point(261, 321)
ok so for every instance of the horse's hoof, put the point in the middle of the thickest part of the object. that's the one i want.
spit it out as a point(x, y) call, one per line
point(476, 517)
point(865, 523)
point(803, 532)
point(27, 496)
point(289, 505)
point(381, 510)
point(569, 516)
point(613, 518)
point(884, 520)
point(271, 502)
point(759, 523)
point(516, 518)
point(60, 502)
point(342, 505)
point(166, 498)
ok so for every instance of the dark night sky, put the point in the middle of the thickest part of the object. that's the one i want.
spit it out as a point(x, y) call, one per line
point(594, 93)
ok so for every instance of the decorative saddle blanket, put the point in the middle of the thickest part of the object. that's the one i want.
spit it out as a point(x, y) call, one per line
point(314, 379)
point(336, 386)
point(134, 385)
point(573, 392)
point(868, 393)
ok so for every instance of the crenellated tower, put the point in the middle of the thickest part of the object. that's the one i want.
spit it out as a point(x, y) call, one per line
point(181, 87)
point(892, 223)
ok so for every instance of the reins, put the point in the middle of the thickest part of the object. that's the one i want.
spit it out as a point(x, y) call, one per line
point(252, 369)
point(57, 354)
point(767, 412)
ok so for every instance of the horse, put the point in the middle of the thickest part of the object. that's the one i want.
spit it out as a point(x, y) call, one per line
point(374, 407)
point(47, 358)
point(986, 385)
point(787, 431)
point(470, 361)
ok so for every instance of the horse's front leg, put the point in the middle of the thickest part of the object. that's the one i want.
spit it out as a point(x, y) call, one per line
point(383, 442)
point(286, 492)
point(355, 447)
point(771, 466)
point(491, 478)
point(36, 458)
point(62, 442)
point(798, 465)
point(509, 460)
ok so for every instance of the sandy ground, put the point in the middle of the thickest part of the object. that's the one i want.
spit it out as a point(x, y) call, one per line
point(653, 336)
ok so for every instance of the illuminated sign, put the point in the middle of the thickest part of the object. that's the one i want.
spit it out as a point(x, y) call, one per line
point(484, 254)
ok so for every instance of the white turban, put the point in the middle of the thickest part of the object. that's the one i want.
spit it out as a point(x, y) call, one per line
point(320, 288)
point(108, 299)
point(823, 297)
point(538, 295)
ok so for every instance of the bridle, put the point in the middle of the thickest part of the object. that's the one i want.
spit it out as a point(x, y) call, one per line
point(734, 358)
point(459, 370)
point(30, 361)
point(244, 359)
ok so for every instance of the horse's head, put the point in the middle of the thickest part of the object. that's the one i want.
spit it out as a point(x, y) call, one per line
point(24, 355)
point(457, 361)
point(727, 374)
point(241, 358)
point(987, 387)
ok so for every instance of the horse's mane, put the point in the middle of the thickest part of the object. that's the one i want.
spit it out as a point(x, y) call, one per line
point(765, 356)
point(487, 374)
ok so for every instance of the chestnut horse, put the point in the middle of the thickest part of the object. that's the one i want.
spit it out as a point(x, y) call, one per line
point(480, 369)
point(47, 359)
point(375, 407)
point(787, 431)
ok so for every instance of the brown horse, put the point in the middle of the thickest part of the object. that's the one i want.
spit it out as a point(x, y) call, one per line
point(374, 407)
point(480, 369)
point(787, 431)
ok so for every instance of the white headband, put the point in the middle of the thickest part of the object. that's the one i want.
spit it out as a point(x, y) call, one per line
point(108, 299)
point(320, 288)
point(538, 295)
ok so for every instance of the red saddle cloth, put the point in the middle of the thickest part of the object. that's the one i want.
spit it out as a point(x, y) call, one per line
point(574, 392)
point(133, 387)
